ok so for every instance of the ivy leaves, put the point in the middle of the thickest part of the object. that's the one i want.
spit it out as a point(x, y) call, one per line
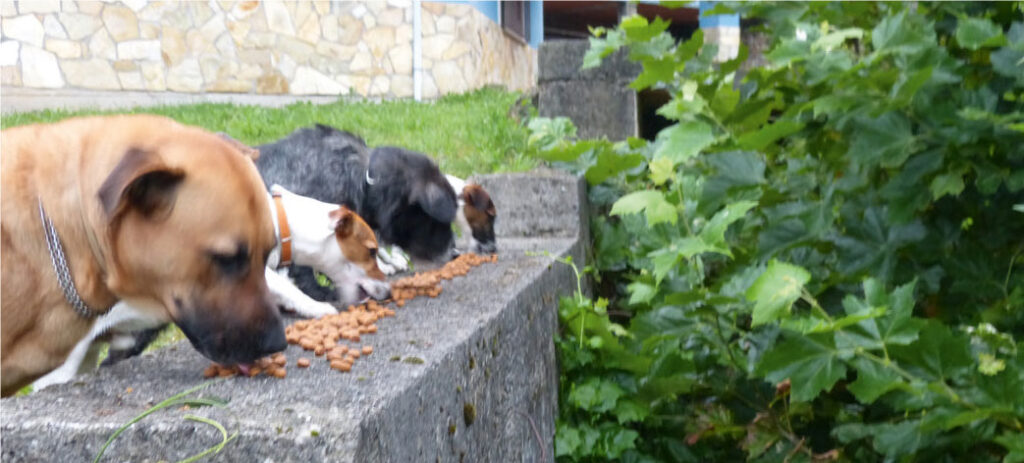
point(797, 251)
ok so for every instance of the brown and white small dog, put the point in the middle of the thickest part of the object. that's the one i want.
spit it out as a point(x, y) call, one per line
point(331, 239)
point(475, 217)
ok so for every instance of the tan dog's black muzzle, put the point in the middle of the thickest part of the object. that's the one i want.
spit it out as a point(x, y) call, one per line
point(229, 337)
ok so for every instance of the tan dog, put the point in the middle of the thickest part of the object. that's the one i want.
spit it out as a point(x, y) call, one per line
point(169, 218)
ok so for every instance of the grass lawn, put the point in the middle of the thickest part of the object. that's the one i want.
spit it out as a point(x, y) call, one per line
point(467, 134)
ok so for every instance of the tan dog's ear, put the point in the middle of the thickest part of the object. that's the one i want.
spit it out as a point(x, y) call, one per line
point(140, 182)
point(341, 221)
point(247, 151)
point(476, 195)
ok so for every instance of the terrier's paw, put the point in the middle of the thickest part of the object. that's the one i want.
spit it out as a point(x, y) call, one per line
point(312, 309)
point(385, 267)
point(392, 259)
point(316, 310)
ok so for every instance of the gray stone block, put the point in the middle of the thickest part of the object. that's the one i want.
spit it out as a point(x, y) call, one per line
point(561, 60)
point(468, 376)
point(597, 108)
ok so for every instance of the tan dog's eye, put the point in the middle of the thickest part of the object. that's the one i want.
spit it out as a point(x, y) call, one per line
point(232, 265)
point(373, 253)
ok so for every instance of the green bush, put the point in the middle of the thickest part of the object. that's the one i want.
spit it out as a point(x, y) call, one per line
point(819, 260)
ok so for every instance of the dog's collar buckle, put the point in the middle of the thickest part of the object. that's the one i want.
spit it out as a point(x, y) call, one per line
point(286, 234)
point(60, 266)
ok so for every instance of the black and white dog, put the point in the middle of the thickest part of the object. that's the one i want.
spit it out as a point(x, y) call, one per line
point(400, 193)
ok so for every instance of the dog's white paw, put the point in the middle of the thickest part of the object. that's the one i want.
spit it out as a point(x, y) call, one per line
point(385, 267)
point(315, 309)
point(392, 259)
point(308, 309)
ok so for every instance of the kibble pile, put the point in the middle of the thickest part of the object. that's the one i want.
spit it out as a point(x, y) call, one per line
point(326, 336)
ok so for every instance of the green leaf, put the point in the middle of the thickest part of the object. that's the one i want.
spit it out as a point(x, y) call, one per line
point(639, 30)
point(810, 363)
point(651, 202)
point(893, 325)
point(680, 107)
point(713, 232)
point(641, 293)
point(684, 140)
point(937, 355)
point(725, 99)
point(611, 163)
point(975, 33)
point(597, 395)
point(949, 183)
point(1009, 62)
point(564, 151)
point(618, 441)
point(689, 48)
point(600, 48)
point(567, 440)
point(775, 291)
point(769, 134)
point(873, 380)
point(904, 92)
point(871, 245)
point(901, 35)
point(655, 71)
point(789, 52)
point(662, 169)
point(967, 417)
point(886, 140)
point(899, 439)
point(834, 39)
point(665, 259)
point(627, 410)
point(1014, 443)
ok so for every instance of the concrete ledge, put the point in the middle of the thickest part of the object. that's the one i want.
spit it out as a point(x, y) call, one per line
point(486, 389)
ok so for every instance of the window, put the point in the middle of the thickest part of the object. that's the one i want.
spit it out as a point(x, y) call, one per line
point(515, 19)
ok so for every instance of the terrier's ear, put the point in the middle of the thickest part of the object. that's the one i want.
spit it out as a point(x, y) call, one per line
point(476, 195)
point(341, 221)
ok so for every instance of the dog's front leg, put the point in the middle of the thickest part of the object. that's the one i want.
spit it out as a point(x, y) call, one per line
point(291, 298)
point(71, 366)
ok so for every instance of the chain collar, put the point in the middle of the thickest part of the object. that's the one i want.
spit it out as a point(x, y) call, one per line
point(60, 266)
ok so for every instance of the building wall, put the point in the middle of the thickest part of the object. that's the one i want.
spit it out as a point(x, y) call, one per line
point(463, 49)
point(268, 47)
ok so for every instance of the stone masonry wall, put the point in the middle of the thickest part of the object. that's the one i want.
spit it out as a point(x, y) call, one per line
point(268, 47)
point(463, 49)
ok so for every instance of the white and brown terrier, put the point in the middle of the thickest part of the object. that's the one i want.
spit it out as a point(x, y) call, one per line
point(331, 239)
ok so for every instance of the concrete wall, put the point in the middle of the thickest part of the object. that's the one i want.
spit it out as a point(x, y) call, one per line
point(469, 376)
point(268, 47)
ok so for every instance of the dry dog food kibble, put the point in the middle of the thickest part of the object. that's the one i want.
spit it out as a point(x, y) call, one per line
point(323, 336)
point(272, 366)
